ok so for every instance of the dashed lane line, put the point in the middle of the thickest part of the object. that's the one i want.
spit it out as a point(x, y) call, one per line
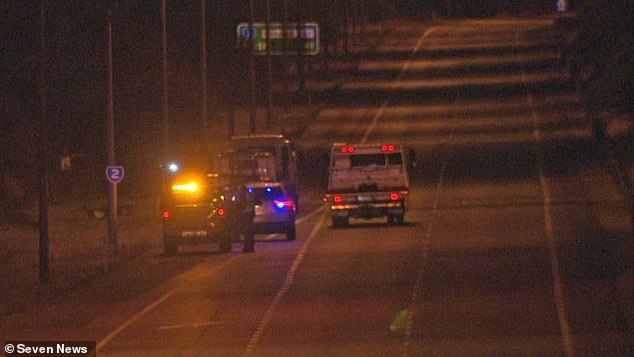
point(558, 291)
point(104, 341)
point(108, 338)
point(290, 277)
point(379, 113)
point(409, 323)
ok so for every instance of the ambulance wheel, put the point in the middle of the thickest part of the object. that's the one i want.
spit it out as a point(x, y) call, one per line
point(339, 221)
point(169, 245)
point(224, 244)
point(249, 243)
point(395, 220)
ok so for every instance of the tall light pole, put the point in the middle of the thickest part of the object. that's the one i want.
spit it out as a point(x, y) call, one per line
point(285, 101)
point(269, 68)
point(112, 187)
point(164, 83)
point(203, 66)
point(251, 54)
point(43, 151)
point(335, 10)
point(300, 49)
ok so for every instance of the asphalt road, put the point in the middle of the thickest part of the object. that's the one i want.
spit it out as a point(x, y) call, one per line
point(511, 241)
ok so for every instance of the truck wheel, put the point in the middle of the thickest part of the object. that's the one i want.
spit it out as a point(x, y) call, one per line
point(169, 245)
point(290, 232)
point(249, 242)
point(395, 220)
point(224, 244)
point(338, 221)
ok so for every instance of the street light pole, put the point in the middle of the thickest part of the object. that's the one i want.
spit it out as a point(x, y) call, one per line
point(300, 49)
point(164, 82)
point(44, 148)
point(112, 187)
point(286, 90)
point(335, 10)
point(203, 67)
point(251, 54)
point(269, 68)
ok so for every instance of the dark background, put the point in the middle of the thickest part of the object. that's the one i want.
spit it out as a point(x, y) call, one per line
point(76, 70)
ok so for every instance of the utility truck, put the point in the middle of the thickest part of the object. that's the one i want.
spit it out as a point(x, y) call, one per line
point(367, 181)
point(266, 157)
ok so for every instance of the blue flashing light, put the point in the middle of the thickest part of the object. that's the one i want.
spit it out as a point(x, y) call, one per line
point(250, 189)
point(283, 203)
point(268, 189)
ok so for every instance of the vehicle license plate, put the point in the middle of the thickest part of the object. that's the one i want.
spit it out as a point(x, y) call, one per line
point(200, 233)
point(364, 198)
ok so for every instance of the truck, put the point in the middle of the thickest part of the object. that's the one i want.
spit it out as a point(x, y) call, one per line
point(261, 157)
point(367, 181)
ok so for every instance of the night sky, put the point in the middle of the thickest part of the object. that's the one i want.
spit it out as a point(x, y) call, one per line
point(76, 71)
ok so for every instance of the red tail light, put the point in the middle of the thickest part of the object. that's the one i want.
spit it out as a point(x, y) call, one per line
point(388, 147)
point(347, 149)
point(220, 212)
point(394, 196)
point(338, 199)
point(325, 199)
point(166, 215)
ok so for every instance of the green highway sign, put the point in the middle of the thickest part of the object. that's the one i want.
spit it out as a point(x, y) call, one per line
point(309, 38)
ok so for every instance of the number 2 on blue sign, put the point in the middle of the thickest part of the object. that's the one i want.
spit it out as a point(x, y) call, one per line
point(114, 174)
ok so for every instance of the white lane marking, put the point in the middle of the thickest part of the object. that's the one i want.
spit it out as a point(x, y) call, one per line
point(379, 113)
point(101, 344)
point(104, 341)
point(297, 221)
point(409, 323)
point(191, 325)
point(375, 120)
point(560, 301)
point(290, 276)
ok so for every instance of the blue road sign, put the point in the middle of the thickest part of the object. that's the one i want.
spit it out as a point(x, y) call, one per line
point(114, 174)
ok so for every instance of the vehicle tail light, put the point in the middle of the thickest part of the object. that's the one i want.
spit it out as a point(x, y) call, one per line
point(220, 212)
point(166, 215)
point(338, 199)
point(347, 149)
point(283, 203)
point(394, 196)
point(325, 198)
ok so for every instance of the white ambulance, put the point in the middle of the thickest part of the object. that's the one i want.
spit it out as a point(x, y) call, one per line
point(367, 181)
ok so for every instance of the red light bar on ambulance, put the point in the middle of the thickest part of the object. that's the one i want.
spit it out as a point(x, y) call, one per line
point(347, 149)
point(388, 147)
